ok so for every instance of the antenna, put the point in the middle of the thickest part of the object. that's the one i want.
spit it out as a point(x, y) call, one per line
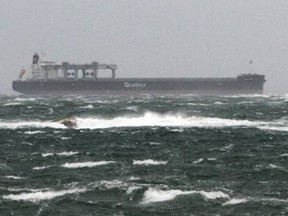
point(251, 66)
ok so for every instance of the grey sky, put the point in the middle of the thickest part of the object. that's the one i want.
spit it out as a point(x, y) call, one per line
point(149, 38)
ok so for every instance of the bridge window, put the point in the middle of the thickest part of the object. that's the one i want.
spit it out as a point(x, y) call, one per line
point(89, 73)
point(70, 73)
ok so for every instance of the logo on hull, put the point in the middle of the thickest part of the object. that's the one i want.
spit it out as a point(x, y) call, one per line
point(134, 85)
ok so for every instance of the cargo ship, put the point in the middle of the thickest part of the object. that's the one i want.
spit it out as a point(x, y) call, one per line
point(49, 78)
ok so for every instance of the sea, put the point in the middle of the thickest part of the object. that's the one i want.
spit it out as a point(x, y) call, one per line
point(145, 155)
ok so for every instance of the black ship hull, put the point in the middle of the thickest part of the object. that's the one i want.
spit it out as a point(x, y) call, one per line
point(248, 84)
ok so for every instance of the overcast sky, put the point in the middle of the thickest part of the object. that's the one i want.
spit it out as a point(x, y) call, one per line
point(149, 38)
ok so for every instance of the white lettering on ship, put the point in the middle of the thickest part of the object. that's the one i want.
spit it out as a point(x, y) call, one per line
point(134, 85)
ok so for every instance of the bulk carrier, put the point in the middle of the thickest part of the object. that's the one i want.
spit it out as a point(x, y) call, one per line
point(62, 79)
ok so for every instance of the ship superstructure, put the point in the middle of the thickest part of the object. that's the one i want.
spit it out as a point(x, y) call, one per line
point(46, 70)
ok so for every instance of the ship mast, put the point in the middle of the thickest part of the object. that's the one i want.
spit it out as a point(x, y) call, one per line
point(251, 66)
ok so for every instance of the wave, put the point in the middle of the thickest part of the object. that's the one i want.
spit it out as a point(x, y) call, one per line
point(133, 108)
point(42, 195)
point(41, 168)
point(65, 154)
point(249, 96)
point(34, 132)
point(12, 104)
point(235, 201)
point(30, 124)
point(153, 195)
point(27, 99)
point(156, 195)
point(150, 119)
point(47, 154)
point(149, 162)
point(274, 128)
point(198, 161)
point(14, 177)
point(90, 106)
point(112, 184)
point(86, 164)
point(132, 188)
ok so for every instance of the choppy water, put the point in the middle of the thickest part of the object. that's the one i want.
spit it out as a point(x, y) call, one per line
point(148, 155)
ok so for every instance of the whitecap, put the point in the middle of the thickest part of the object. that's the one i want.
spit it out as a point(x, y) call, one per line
point(235, 201)
point(41, 168)
point(273, 166)
point(154, 143)
point(227, 148)
point(66, 138)
point(198, 161)
point(34, 132)
point(24, 189)
point(151, 119)
point(133, 178)
point(273, 128)
point(26, 143)
point(177, 130)
point(47, 154)
point(64, 154)
point(277, 200)
point(214, 195)
point(112, 184)
point(248, 96)
point(218, 103)
point(133, 108)
point(12, 104)
point(14, 177)
point(132, 188)
point(30, 124)
point(42, 195)
point(86, 164)
point(156, 195)
point(67, 154)
point(90, 106)
point(149, 162)
point(148, 119)
point(25, 99)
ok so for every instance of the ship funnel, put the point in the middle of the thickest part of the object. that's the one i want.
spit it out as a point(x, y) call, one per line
point(35, 58)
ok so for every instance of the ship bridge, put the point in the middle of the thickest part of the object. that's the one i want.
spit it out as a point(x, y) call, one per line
point(51, 70)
